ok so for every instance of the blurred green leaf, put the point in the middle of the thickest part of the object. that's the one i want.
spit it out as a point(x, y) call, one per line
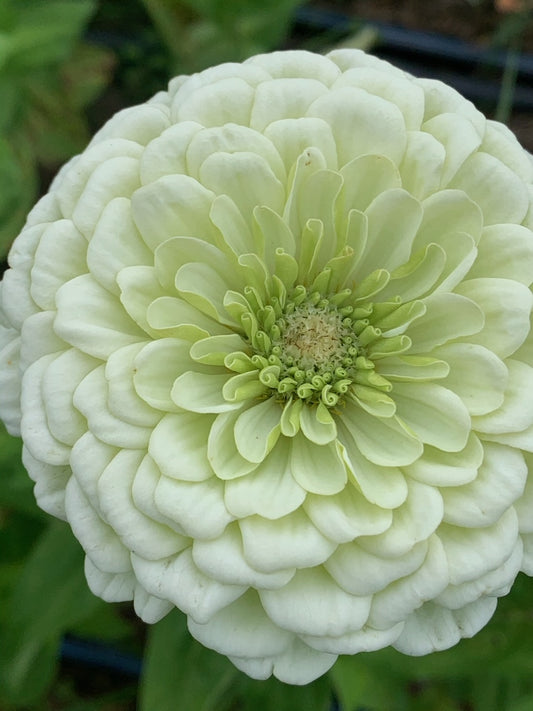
point(181, 674)
point(50, 596)
point(273, 695)
point(36, 33)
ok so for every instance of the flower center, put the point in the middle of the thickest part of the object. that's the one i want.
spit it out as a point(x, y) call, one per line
point(313, 338)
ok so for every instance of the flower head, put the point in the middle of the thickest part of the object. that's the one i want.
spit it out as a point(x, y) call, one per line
point(267, 342)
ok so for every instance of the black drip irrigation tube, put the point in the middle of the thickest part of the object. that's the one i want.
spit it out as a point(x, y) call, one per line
point(474, 71)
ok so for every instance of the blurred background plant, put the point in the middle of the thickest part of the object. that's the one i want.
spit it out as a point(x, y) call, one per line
point(65, 67)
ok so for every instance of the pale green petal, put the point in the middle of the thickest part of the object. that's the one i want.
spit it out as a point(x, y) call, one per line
point(231, 138)
point(408, 368)
point(222, 559)
point(422, 165)
point(436, 414)
point(196, 506)
point(506, 305)
point(439, 468)
point(202, 392)
point(139, 287)
point(172, 206)
point(500, 481)
point(401, 91)
point(50, 483)
point(111, 587)
point(417, 276)
point(448, 212)
point(176, 318)
point(459, 138)
point(319, 469)
point(165, 155)
point(505, 251)
point(393, 220)
point(436, 327)
point(228, 100)
point(222, 451)
point(292, 136)
point(92, 319)
point(257, 430)
point(485, 179)
point(234, 228)
point(156, 368)
point(203, 287)
point(288, 542)
point(346, 515)
point(106, 257)
point(116, 177)
point(213, 350)
point(122, 398)
point(243, 177)
point(476, 374)
point(361, 573)
point(283, 98)
point(312, 603)
point(318, 424)
point(383, 441)
point(270, 490)
point(178, 445)
point(362, 123)
point(501, 142)
point(516, 412)
point(366, 177)
point(174, 252)
point(472, 552)
point(401, 597)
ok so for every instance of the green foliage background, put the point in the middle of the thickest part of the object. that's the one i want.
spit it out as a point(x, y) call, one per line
point(65, 66)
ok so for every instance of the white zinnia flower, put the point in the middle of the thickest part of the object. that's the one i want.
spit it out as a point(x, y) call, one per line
point(267, 342)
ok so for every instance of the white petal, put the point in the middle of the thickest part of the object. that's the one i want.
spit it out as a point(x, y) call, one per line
point(506, 305)
point(241, 630)
point(99, 541)
point(90, 398)
point(436, 414)
point(472, 552)
point(222, 559)
point(366, 639)
point(362, 123)
point(412, 522)
point(149, 608)
point(34, 425)
point(93, 320)
point(505, 252)
point(500, 481)
point(139, 533)
point(312, 603)
point(361, 573)
point(50, 483)
point(178, 445)
point(111, 587)
point(346, 515)
point(270, 490)
point(319, 469)
point(401, 597)
point(291, 541)
point(178, 580)
point(439, 468)
point(198, 507)
point(516, 411)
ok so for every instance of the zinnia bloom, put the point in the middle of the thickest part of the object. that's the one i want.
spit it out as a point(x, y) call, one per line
point(267, 342)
